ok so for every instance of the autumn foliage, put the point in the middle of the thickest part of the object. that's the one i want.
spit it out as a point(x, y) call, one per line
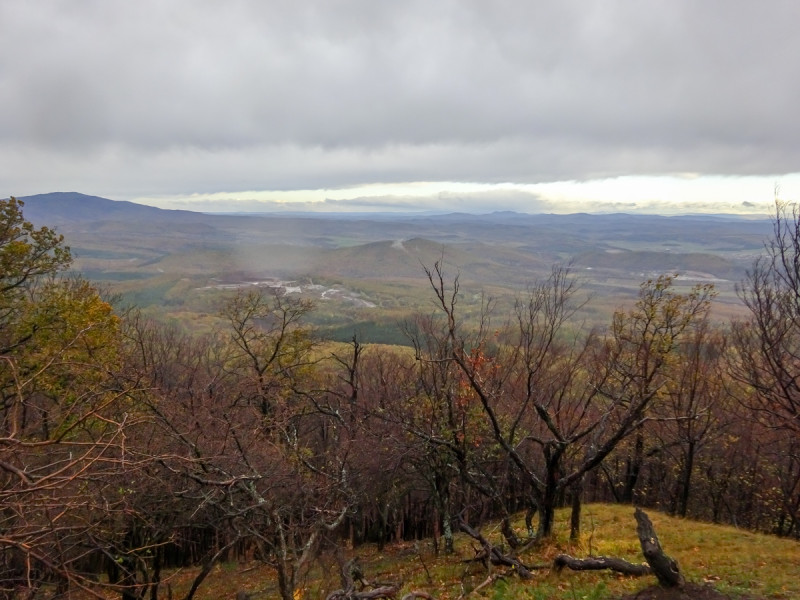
point(131, 447)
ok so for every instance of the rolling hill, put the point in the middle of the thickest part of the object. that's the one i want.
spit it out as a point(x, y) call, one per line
point(148, 254)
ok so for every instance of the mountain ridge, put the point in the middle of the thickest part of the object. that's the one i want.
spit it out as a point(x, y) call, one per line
point(75, 206)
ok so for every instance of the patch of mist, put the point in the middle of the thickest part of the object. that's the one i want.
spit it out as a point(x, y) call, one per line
point(321, 292)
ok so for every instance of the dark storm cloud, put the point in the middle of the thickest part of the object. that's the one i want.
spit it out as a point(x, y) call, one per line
point(181, 96)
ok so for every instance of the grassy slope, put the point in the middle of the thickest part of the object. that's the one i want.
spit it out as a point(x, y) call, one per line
point(734, 561)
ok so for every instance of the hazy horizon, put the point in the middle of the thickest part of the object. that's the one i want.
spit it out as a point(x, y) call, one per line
point(753, 196)
point(378, 209)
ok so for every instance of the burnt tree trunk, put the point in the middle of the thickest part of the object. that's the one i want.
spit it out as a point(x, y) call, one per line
point(548, 499)
point(686, 480)
point(633, 468)
point(575, 515)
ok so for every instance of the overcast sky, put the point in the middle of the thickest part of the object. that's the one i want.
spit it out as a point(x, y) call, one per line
point(671, 105)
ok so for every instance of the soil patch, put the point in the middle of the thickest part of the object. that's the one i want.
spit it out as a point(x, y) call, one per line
point(690, 591)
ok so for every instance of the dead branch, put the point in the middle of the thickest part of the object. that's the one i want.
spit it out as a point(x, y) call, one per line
point(351, 573)
point(494, 555)
point(509, 534)
point(489, 581)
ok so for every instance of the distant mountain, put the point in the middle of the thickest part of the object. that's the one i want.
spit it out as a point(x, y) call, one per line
point(60, 208)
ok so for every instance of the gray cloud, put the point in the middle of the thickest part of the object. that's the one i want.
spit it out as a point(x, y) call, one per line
point(132, 98)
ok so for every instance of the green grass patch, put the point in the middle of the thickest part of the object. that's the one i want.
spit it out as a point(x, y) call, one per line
point(735, 562)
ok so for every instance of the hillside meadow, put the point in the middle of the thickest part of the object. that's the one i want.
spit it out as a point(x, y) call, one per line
point(735, 562)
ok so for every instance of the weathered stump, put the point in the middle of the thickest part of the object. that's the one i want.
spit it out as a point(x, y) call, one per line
point(664, 568)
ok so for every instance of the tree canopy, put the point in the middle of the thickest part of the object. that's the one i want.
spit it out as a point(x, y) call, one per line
point(129, 446)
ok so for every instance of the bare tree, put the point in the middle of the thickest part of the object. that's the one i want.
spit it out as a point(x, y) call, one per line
point(254, 440)
point(556, 404)
point(766, 355)
point(768, 344)
point(693, 417)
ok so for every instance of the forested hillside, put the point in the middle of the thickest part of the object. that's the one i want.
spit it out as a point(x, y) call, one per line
point(131, 446)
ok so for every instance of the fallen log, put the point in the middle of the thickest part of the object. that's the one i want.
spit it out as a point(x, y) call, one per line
point(600, 563)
